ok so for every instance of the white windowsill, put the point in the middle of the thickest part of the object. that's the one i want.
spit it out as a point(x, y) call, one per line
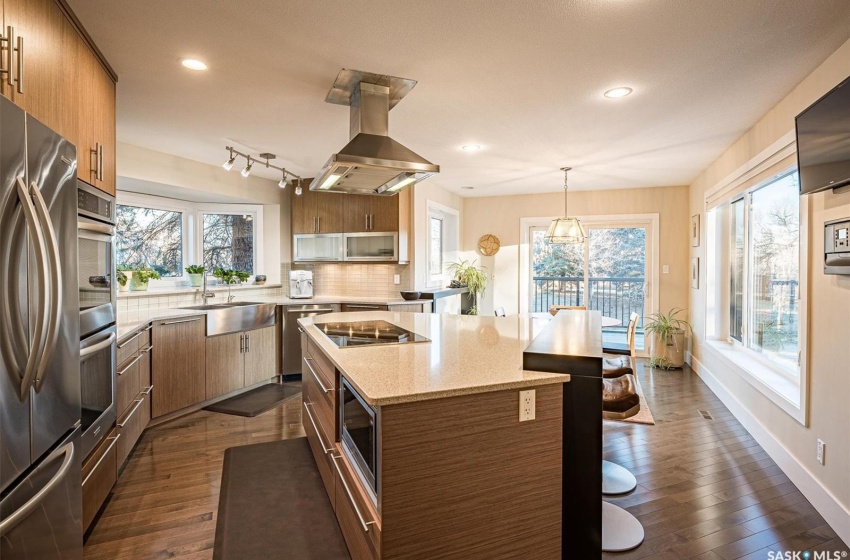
point(775, 385)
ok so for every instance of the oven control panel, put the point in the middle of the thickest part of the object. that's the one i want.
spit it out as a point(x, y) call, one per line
point(836, 245)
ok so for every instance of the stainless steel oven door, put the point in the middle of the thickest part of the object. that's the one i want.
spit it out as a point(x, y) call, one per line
point(98, 290)
point(359, 435)
point(97, 387)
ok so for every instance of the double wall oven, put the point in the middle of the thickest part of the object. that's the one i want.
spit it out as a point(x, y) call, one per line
point(98, 302)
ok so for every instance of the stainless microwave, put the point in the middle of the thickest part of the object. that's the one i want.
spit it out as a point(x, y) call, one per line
point(359, 437)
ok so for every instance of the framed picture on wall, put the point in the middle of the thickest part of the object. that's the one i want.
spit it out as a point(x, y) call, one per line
point(695, 273)
point(695, 230)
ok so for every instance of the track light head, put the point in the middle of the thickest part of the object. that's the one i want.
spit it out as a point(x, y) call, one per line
point(247, 170)
point(228, 165)
point(282, 183)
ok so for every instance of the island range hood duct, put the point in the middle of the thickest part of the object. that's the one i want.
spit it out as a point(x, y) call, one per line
point(371, 162)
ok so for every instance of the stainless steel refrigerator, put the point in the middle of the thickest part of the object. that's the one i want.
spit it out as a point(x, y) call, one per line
point(40, 487)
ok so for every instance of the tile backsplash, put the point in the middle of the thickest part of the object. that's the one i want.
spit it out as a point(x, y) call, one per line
point(353, 280)
point(138, 304)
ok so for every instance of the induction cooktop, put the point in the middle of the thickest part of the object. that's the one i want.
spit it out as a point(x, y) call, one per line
point(368, 333)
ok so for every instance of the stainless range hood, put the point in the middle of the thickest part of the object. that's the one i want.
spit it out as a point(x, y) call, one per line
point(371, 162)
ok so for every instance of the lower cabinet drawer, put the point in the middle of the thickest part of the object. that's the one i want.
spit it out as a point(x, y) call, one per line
point(128, 383)
point(323, 458)
point(321, 364)
point(131, 426)
point(356, 520)
point(323, 404)
point(99, 476)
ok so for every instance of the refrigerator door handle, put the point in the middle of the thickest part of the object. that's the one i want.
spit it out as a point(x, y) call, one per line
point(40, 332)
point(13, 335)
point(54, 277)
point(12, 520)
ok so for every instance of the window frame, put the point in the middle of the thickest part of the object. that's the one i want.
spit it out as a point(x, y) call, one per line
point(785, 389)
point(193, 228)
point(441, 212)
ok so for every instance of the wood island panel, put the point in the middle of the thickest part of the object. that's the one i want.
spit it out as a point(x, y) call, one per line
point(463, 478)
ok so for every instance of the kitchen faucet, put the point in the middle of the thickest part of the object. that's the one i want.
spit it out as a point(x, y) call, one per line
point(205, 295)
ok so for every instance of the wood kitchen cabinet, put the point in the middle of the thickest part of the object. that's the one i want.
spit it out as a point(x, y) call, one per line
point(65, 83)
point(99, 473)
point(365, 213)
point(178, 366)
point(238, 360)
point(317, 212)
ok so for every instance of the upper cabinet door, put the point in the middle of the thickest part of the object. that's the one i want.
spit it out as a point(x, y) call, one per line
point(330, 211)
point(357, 210)
point(96, 121)
point(37, 68)
point(384, 213)
point(303, 211)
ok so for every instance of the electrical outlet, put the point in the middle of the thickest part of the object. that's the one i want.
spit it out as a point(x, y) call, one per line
point(665, 269)
point(526, 405)
point(396, 279)
point(821, 452)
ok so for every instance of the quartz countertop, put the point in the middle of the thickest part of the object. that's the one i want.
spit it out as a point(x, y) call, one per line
point(126, 328)
point(466, 354)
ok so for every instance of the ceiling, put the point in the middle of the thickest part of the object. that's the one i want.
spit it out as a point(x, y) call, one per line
point(522, 79)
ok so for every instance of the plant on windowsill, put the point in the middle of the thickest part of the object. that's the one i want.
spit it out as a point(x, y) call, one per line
point(230, 277)
point(473, 278)
point(141, 277)
point(666, 335)
point(196, 275)
point(123, 275)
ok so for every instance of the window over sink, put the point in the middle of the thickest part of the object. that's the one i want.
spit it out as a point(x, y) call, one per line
point(168, 235)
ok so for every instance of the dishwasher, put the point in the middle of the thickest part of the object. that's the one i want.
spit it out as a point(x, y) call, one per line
point(290, 335)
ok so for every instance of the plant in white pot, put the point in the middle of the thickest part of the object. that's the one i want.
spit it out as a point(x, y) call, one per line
point(141, 277)
point(667, 338)
point(196, 275)
point(123, 275)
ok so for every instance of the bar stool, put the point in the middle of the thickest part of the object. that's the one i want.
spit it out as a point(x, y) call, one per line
point(615, 366)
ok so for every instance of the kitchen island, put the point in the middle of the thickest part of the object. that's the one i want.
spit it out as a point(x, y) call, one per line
point(455, 473)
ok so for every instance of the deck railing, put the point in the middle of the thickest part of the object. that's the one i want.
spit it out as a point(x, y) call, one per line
point(614, 297)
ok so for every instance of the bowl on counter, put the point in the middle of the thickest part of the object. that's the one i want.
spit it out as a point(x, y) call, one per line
point(410, 296)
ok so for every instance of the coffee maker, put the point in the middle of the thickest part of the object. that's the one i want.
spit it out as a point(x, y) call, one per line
point(300, 284)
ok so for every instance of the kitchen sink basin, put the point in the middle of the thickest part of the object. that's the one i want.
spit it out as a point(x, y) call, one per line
point(237, 316)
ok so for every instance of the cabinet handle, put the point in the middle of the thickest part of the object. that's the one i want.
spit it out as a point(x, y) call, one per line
point(20, 49)
point(247, 343)
point(241, 343)
point(100, 162)
point(316, 377)
point(307, 406)
point(10, 54)
point(131, 364)
point(148, 390)
point(131, 339)
point(181, 321)
point(367, 222)
point(360, 518)
point(132, 412)
point(102, 457)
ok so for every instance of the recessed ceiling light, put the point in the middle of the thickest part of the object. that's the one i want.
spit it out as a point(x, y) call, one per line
point(618, 92)
point(193, 64)
point(467, 188)
point(470, 148)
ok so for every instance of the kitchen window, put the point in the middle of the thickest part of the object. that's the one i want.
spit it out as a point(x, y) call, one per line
point(150, 236)
point(443, 239)
point(168, 235)
point(435, 260)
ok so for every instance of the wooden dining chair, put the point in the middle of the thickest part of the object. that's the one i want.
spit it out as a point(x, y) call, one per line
point(553, 309)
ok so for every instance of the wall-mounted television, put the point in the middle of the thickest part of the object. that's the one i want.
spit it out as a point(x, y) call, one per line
point(823, 141)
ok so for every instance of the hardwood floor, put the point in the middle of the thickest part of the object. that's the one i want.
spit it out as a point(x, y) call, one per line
point(706, 489)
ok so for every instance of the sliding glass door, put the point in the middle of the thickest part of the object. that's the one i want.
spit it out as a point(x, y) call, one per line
point(611, 272)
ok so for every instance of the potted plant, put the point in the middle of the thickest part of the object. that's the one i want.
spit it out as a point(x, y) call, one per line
point(141, 277)
point(467, 274)
point(666, 335)
point(123, 275)
point(196, 275)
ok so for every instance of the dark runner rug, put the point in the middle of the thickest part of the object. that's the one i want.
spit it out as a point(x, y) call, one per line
point(273, 505)
point(254, 402)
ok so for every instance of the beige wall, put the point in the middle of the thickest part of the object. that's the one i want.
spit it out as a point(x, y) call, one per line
point(500, 215)
point(829, 312)
point(151, 172)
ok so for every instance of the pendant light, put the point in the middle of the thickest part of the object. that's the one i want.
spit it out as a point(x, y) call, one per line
point(565, 230)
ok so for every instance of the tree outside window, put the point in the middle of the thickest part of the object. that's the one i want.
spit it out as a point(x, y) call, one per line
point(229, 242)
point(147, 236)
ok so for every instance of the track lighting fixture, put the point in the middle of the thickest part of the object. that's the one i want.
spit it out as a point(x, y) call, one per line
point(298, 188)
point(251, 160)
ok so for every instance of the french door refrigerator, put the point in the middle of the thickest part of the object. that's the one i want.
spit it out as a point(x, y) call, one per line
point(40, 487)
